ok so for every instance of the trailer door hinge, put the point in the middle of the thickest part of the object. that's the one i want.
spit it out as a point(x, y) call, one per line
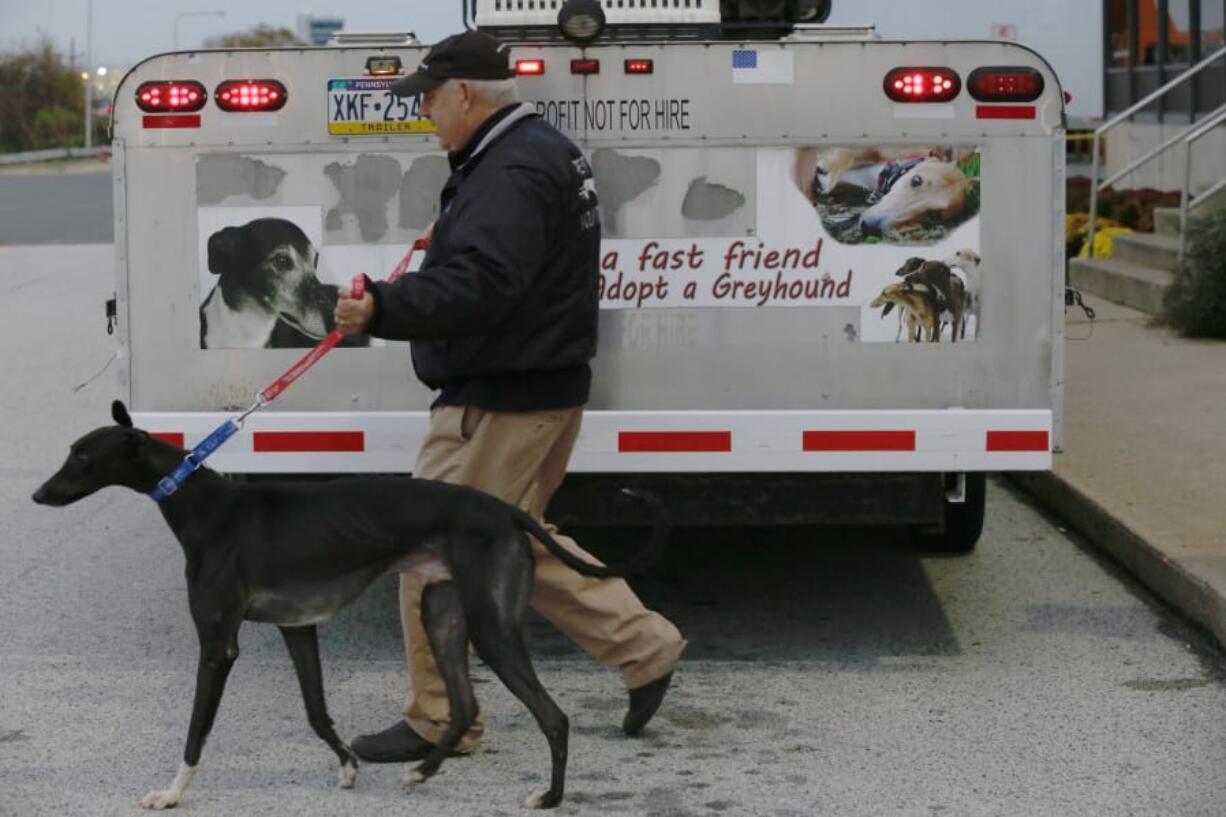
point(111, 312)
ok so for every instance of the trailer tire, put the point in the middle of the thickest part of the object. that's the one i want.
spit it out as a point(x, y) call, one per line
point(963, 522)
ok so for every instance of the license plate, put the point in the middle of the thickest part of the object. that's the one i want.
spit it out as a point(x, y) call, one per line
point(367, 106)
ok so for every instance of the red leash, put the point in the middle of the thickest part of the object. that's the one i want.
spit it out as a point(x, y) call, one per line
point(334, 337)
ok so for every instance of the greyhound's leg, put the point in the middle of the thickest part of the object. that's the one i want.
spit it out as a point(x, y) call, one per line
point(303, 644)
point(494, 609)
point(443, 620)
point(217, 656)
point(503, 649)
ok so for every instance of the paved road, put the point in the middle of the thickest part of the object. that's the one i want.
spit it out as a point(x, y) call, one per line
point(70, 208)
point(829, 673)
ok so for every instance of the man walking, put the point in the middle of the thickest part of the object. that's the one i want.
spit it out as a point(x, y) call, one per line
point(502, 316)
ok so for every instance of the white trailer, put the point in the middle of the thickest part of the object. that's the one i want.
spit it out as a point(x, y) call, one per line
point(763, 356)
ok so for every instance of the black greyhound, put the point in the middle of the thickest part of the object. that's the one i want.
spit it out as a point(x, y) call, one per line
point(293, 554)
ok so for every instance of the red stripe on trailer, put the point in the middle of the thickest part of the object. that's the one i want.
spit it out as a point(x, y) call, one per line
point(1005, 112)
point(183, 120)
point(859, 441)
point(172, 437)
point(674, 441)
point(308, 441)
point(1018, 441)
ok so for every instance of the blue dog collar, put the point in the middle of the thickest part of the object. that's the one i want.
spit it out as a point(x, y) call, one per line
point(195, 458)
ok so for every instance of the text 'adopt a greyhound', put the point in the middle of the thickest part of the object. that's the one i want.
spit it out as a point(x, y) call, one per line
point(293, 554)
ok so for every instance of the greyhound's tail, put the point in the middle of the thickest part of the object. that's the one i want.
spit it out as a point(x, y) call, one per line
point(659, 537)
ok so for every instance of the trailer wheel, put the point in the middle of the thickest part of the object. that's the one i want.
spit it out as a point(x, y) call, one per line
point(963, 521)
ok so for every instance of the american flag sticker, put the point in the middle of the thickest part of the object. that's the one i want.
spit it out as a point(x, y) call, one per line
point(759, 66)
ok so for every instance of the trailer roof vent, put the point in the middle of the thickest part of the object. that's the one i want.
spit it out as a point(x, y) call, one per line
point(525, 14)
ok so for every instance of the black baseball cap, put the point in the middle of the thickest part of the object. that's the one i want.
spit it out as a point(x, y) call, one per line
point(469, 55)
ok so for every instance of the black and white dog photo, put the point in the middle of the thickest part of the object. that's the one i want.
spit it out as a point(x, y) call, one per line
point(267, 293)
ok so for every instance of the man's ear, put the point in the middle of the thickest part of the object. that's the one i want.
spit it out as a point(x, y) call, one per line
point(468, 96)
point(120, 413)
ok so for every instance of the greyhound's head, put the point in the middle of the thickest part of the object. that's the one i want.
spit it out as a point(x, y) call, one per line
point(909, 266)
point(932, 189)
point(268, 265)
point(111, 455)
point(893, 294)
point(964, 259)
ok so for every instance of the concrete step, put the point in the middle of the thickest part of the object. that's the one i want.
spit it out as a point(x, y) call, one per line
point(1166, 221)
point(1147, 250)
point(1122, 282)
point(1215, 201)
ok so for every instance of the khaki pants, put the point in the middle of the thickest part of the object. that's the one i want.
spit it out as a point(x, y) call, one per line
point(521, 457)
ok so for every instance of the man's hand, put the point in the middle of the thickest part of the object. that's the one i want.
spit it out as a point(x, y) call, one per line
point(352, 314)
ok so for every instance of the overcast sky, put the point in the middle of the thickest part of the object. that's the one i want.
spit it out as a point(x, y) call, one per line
point(127, 30)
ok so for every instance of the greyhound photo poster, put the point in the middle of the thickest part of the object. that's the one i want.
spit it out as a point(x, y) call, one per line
point(892, 231)
point(267, 281)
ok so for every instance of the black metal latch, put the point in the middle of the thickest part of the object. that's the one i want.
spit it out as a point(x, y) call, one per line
point(1072, 297)
point(111, 313)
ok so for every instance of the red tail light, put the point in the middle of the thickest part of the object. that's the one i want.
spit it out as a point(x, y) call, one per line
point(922, 84)
point(585, 66)
point(529, 68)
point(1005, 84)
point(171, 96)
point(640, 66)
point(250, 95)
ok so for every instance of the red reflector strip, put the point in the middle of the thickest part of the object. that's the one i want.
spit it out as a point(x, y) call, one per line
point(859, 441)
point(1017, 441)
point(299, 441)
point(181, 120)
point(1004, 112)
point(171, 437)
point(674, 441)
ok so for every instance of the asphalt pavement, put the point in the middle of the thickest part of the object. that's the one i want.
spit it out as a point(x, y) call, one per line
point(69, 203)
point(830, 671)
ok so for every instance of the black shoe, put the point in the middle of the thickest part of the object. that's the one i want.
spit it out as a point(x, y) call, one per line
point(644, 701)
point(396, 744)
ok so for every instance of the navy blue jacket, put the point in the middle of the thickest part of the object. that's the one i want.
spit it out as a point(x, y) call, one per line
point(503, 312)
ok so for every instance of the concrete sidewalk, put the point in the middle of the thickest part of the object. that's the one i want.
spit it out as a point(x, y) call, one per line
point(58, 167)
point(1143, 472)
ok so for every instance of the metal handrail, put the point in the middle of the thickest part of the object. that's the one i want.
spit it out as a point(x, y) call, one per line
point(1096, 186)
point(1217, 118)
